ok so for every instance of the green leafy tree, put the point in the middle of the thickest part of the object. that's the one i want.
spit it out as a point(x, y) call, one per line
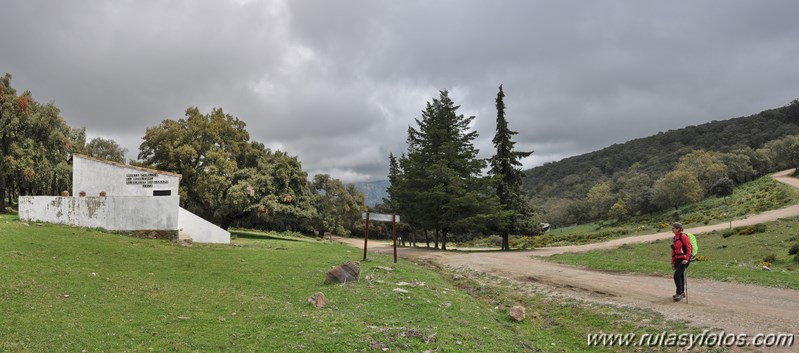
point(77, 140)
point(677, 188)
point(618, 211)
point(221, 180)
point(600, 199)
point(739, 167)
point(635, 187)
point(97, 147)
point(9, 120)
point(107, 149)
point(353, 207)
point(34, 140)
point(515, 214)
point(47, 135)
point(706, 166)
point(557, 211)
point(338, 207)
point(205, 150)
point(723, 188)
point(760, 160)
point(284, 199)
point(785, 151)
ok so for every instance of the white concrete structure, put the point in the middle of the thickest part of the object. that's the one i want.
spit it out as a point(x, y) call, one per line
point(125, 213)
point(117, 196)
point(199, 230)
point(94, 176)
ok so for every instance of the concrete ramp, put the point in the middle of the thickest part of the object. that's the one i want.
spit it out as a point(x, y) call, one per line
point(199, 230)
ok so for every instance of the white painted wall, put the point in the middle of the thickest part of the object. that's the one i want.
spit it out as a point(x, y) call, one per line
point(93, 176)
point(200, 230)
point(129, 204)
point(111, 213)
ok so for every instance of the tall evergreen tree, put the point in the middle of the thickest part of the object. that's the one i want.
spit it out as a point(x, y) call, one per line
point(394, 176)
point(439, 188)
point(506, 170)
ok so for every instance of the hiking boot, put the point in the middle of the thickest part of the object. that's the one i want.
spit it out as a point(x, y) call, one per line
point(677, 297)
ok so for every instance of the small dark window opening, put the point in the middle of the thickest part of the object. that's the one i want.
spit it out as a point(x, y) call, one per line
point(162, 192)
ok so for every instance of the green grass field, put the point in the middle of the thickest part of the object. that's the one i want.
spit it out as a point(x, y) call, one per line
point(70, 289)
point(738, 258)
point(750, 198)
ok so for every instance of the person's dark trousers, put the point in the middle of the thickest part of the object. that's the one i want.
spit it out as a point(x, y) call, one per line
point(679, 276)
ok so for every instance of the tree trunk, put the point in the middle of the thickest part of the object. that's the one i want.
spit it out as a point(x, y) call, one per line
point(3, 194)
point(505, 241)
point(444, 240)
point(427, 238)
point(435, 239)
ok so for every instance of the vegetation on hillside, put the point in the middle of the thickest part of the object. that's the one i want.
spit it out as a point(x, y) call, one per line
point(750, 198)
point(666, 170)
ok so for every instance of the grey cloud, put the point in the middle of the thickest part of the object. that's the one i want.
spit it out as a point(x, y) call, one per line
point(338, 83)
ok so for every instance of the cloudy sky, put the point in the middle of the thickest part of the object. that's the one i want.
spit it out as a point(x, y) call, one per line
point(337, 83)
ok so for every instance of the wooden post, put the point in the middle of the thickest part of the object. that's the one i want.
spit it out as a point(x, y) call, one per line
point(394, 234)
point(366, 236)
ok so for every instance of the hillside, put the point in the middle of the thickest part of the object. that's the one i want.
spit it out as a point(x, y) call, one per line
point(572, 177)
point(374, 191)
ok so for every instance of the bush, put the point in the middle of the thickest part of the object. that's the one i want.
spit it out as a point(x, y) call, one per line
point(727, 234)
point(770, 258)
point(747, 230)
point(794, 250)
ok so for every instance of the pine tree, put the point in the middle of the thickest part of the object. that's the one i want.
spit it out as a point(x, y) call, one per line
point(505, 168)
point(439, 188)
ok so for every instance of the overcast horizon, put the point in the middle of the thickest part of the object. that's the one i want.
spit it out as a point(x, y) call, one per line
point(338, 83)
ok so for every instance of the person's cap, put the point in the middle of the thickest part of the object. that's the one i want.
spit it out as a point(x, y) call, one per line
point(677, 225)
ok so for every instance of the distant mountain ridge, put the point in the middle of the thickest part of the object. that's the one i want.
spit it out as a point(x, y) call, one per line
point(656, 155)
point(374, 191)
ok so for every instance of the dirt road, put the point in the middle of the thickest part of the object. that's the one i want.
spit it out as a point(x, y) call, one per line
point(735, 308)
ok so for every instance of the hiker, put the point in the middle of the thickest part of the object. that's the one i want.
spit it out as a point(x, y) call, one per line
point(680, 258)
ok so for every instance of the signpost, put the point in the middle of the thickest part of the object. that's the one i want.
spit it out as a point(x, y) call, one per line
point(381, 217)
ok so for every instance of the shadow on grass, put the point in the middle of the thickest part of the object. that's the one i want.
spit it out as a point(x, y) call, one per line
point(262, 236)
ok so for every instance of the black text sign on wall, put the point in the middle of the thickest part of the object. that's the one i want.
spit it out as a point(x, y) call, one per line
point(146, 180)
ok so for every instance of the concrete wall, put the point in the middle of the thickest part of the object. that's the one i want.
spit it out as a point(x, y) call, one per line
point(112, 213)
point(199, 230)
point(129, 204)
point(93, 176)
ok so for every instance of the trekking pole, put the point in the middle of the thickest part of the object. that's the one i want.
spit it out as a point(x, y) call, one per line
point(685, 282)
